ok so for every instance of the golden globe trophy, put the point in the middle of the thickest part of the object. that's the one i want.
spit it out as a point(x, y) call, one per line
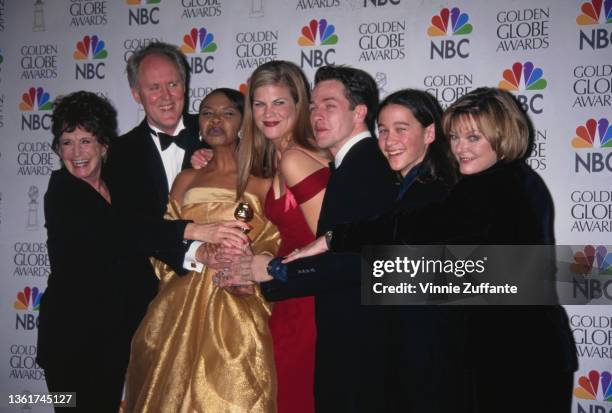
point(244, 212)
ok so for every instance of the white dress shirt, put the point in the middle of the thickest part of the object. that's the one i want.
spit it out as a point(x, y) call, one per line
point(172, 159)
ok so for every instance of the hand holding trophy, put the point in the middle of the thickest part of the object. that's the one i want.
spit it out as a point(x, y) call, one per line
point(243, 212)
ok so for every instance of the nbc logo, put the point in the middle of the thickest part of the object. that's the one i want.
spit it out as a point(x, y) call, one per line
point(593, 135)
point(35, 100)
point(593, 13)
point(592, 256)
point(325, 34)
point(594, 386)
point(586, 135)
point(449, 22)
point(205, 40)
point(196, 42)
point(532, 78)
point(27, 300)
point(585, 262)
point(143, 15)
point(526, 77)
point(90, 48)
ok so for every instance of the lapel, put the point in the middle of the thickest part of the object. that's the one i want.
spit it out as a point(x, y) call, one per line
point(193, 128)
point(153, 163)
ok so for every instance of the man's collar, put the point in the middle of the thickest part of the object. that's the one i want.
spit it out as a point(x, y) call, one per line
point(179, 127)
point(348, 145)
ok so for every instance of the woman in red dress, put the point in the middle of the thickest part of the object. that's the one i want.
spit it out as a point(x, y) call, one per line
point(278, 142)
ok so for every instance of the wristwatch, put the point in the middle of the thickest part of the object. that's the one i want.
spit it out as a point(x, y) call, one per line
point(328, 239)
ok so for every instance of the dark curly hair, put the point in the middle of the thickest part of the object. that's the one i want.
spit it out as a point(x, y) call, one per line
point(439, 163)
point(360, 88)
point(85, 110)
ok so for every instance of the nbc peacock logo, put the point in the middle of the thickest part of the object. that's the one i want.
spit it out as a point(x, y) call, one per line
point(458, 23)
point(595, 386)
point(449, 22)
point(91, 47)
point(593, 134)
point(592, 258)
point(320, 30)
point(35, 99)
point(199, 41)
point(595, 15)
point(88, 54)
point(316, 36)
point(523, 77)
point(528, 78)
point(143, 12)
point(27, 301)
point(593, 266)
point(591, 12)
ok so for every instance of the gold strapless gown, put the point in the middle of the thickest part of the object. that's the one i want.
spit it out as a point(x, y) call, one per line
point(199, 348)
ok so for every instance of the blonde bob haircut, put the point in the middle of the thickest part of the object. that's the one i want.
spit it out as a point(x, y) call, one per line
point(497, 115)
point(256, 153)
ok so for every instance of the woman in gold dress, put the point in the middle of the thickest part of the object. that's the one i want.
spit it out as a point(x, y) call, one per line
point(201, 348)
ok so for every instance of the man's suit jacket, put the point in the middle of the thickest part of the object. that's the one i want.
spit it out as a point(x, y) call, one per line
point(362, 186)
point(139, 192)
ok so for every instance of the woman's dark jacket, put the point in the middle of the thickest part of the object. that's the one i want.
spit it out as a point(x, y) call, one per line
point(88, 308)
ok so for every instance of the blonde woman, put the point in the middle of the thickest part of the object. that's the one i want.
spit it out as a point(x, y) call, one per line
point(279, 143)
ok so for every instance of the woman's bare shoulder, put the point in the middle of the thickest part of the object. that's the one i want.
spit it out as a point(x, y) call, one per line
point(297, 163)
point(182, 183)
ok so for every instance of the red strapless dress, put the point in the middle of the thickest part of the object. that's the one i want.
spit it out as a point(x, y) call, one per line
point(292, 323)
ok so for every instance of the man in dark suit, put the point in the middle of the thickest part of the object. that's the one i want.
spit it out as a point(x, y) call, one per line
point(348, 369)
point(143, 163)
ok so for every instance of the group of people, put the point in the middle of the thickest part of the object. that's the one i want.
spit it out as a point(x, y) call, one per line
point(200, 312)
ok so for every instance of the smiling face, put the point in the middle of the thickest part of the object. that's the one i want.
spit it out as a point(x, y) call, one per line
point(470, 146)
point(82, 155)
point(161, 91)
point(220, 120)
point(274, 111)
point(331, 116)
point(402, 138)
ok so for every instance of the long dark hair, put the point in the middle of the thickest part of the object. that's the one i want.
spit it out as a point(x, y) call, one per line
point(438, 162)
